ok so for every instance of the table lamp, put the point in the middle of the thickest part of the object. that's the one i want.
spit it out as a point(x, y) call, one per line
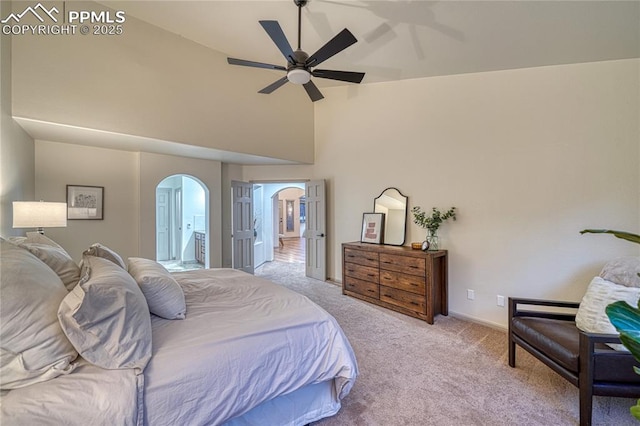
point(39, 214)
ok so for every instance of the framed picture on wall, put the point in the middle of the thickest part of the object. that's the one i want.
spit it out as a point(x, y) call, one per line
point(85, 202)
point(372, 228)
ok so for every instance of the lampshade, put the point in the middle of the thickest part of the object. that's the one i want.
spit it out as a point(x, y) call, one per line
point(39, 214)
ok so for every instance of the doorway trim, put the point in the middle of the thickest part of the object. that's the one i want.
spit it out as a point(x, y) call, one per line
point(181, 221)
point(272, 204)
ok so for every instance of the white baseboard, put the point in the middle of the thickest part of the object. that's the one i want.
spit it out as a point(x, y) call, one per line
point(478, 321)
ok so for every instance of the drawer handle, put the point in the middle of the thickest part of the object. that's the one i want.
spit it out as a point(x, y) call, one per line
point(414, 267)
point(371, 275)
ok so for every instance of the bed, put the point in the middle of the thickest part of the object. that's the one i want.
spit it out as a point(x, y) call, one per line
point(244, 351)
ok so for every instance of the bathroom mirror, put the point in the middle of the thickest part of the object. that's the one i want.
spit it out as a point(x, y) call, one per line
point(393, 204)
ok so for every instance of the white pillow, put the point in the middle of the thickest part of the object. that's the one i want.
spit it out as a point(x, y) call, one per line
point(33, 347)
point(105, 252)
point(163, 293)
point(56, 258)
point(591, 316)
point(106, 317)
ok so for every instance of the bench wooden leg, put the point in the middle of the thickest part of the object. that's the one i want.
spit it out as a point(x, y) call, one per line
point(512, 351)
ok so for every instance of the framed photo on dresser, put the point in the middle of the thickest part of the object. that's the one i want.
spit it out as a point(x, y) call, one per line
point(372, 228)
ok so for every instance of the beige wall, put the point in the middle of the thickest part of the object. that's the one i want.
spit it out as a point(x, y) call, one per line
point(59, 165)
point(17, 173)
point(129, 180)
point(529, 157)
point(149, 82)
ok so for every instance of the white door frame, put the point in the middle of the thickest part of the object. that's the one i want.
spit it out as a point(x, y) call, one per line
point(176, 224)
point(166, 219)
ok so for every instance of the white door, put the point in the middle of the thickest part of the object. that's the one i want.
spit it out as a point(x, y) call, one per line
point(315, 232)
point(163, 224)
point(177, 224)
point(242, 226)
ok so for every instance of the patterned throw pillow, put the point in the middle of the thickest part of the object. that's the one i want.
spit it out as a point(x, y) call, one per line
point(591, 316)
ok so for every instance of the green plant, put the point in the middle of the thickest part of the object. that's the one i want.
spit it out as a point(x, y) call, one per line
point(619, 234)
point(433, 221)
point(624, 317)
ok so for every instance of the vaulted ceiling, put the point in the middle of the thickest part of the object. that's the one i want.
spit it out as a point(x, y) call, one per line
point(410, 39)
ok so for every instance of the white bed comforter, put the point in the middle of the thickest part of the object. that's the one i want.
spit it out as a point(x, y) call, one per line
point(245, 340)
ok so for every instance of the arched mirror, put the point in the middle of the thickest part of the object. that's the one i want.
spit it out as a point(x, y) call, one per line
point(394, 206)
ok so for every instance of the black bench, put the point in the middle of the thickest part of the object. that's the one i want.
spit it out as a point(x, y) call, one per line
point(581, 358)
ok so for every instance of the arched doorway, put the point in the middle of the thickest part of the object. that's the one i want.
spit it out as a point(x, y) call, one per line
point(289, 224)
point(182, 223)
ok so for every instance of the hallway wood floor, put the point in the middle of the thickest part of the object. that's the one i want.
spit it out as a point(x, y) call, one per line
point(292, 251)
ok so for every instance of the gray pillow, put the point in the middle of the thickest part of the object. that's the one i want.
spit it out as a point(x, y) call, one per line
point(56, 258)
point(623, 271)
point(36, 237)
point(163, 293)
point(106, 317)
point(33, 346)
point(105, 252)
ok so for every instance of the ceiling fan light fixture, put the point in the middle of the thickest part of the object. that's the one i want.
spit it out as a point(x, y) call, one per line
point(298, 76)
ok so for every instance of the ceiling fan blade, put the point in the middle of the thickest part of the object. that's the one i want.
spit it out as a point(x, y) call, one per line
point(350, 76)
point(234, 61)
point(273, 86)
point(337, 44)
point(277, 35)
point(312, 91)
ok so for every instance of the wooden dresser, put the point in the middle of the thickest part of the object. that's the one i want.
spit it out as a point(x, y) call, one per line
point(409, 281)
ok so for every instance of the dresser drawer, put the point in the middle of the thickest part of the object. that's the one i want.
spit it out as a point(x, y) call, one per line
point(365, 273)
point(405, 264)
point(403, 299)
point(361, 257)
point(411, 283)
point(366, 288)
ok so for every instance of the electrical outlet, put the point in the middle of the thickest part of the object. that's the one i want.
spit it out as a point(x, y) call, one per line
point(500, 300)
point(471, 294)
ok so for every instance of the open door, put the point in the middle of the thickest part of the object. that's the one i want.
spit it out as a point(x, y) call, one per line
point(315, 232)
point(242, 226)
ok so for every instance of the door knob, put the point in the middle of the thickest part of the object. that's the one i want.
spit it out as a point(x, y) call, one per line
point(321, 235)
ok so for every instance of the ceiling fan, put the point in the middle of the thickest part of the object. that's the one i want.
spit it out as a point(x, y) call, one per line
point(299, 63)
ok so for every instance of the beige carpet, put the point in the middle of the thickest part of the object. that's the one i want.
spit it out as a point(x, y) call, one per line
point(451, 373)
